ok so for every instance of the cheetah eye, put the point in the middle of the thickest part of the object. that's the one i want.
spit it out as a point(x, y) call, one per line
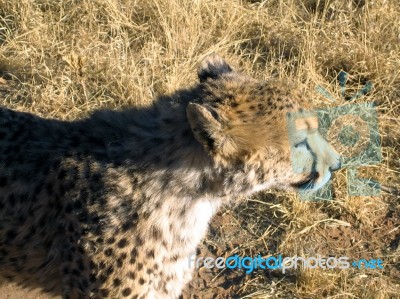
point(301, 143)
point(308, 182)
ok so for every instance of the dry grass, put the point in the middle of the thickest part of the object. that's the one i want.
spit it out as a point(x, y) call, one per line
point(66, 58)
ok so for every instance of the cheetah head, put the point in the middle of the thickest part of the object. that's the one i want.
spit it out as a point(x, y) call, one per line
point(244, 125)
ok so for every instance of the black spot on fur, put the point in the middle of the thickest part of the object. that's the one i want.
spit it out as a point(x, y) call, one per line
point(131, 275)
point(127, 225)
point(126, 292)
point(150, 253)
point(108, 252)
point(133, 256)
point(104, 292)
point(119, 262)
point(122, 243)
point(117, 282)
point(109, 270)
point(111, 240)
point(156, 233)
point(93, 278)
point(102, 278)
point(139, 241)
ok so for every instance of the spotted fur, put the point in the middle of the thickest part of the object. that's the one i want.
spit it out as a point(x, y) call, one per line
point(111, 206)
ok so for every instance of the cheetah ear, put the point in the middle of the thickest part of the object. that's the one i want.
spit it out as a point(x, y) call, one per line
point(212, 67)
point(204, 125)
point(208, 130)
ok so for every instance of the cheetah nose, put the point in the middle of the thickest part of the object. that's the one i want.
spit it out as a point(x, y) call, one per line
point(336, 166)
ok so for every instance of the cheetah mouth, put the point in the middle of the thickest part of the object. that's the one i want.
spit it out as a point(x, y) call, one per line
point(307, 183)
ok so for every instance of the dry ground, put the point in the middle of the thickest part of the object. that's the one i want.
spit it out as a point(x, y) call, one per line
point(66, 58)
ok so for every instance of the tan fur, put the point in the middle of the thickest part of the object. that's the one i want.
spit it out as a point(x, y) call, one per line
point(111, 206)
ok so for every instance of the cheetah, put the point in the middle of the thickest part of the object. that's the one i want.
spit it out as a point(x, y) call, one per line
point(112, 205)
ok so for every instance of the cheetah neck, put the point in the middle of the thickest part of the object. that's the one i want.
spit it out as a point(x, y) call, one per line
point(158, 140)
